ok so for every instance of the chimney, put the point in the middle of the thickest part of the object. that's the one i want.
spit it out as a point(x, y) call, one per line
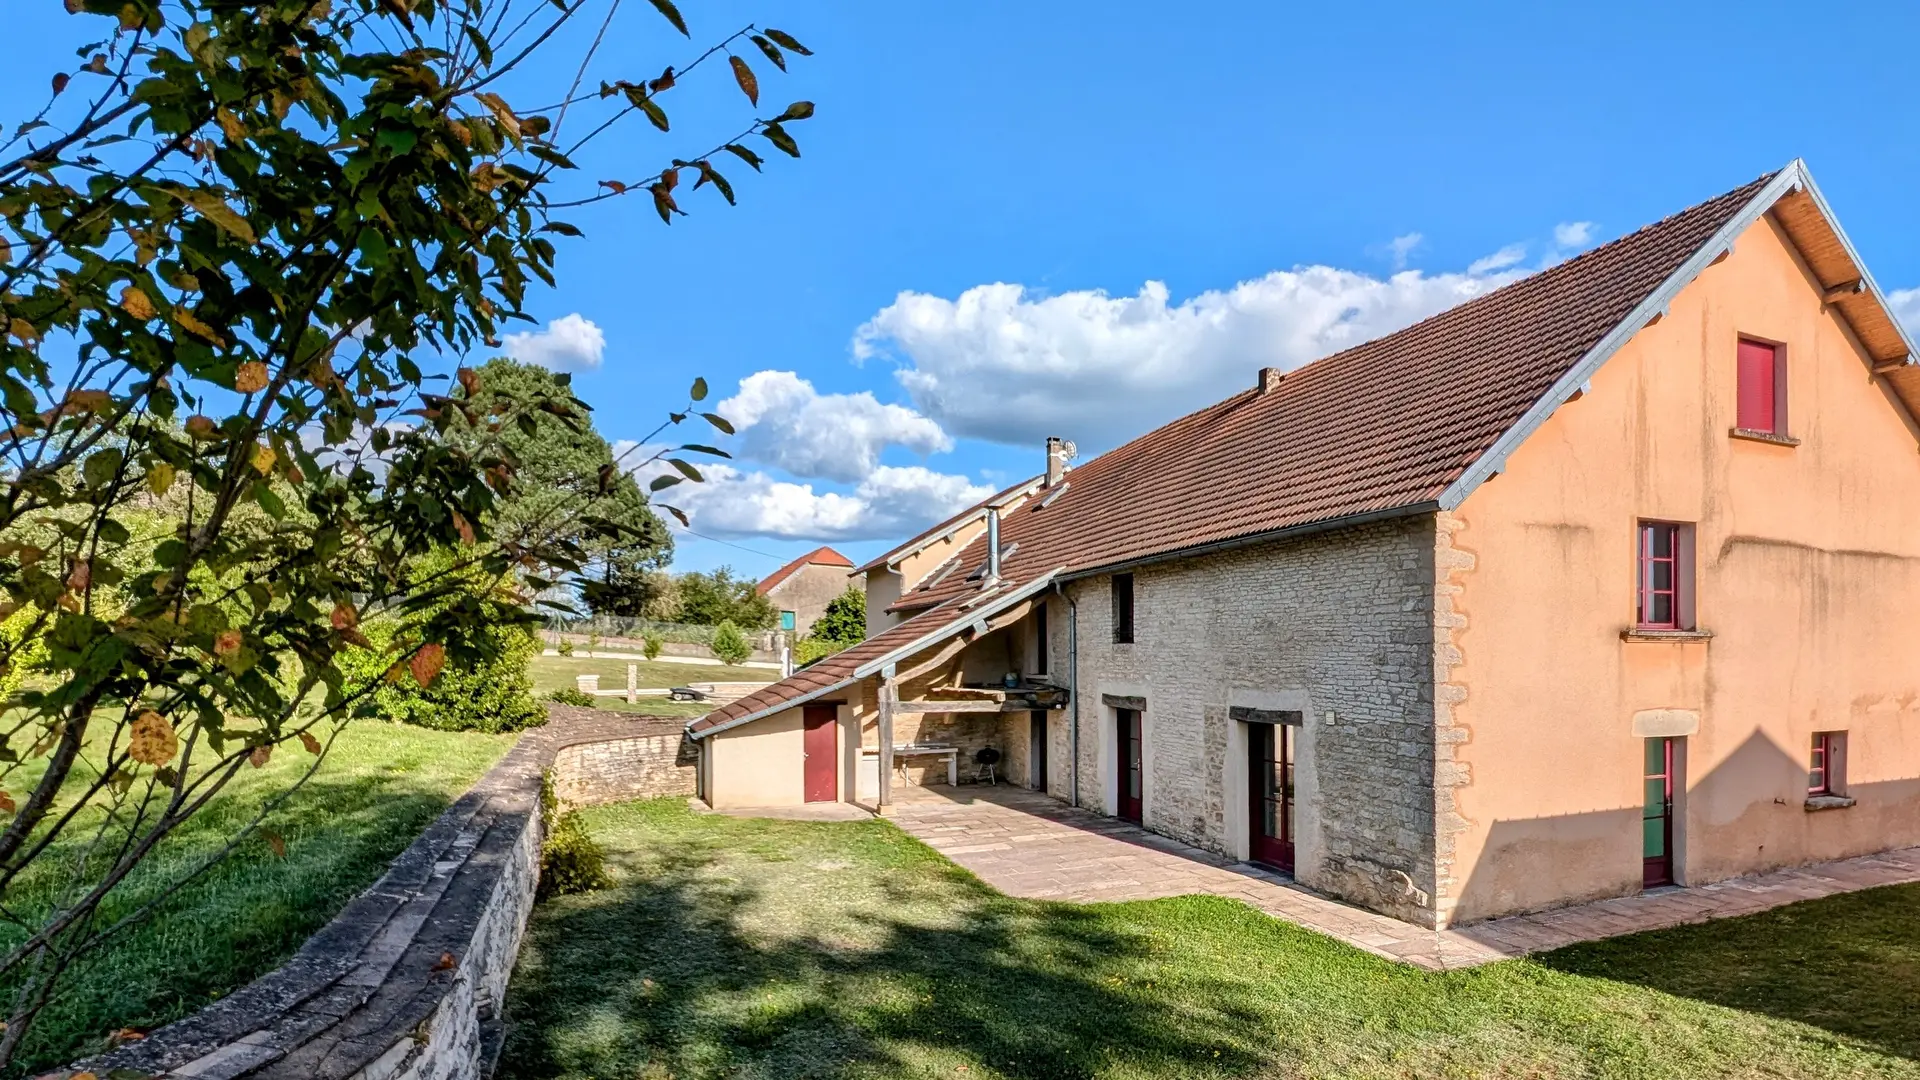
point(993, 547)
point(1056, 461)
point(1270, 379)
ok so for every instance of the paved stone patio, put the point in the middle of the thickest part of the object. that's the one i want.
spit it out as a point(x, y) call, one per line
point(1029, 845)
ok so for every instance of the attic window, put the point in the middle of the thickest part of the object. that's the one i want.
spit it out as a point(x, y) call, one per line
point(1762, 380)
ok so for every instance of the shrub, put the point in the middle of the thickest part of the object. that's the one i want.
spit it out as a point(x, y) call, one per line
point(571, 861)
point(845, 619)
point(729, 644)
point(22, 654)
point(572, 695)
point(565, 648)
point(593, 641)
point(814, 647)
point(491, 697)
point(651, 644)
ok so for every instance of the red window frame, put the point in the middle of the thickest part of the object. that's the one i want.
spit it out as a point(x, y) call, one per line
point(1826, 745)
point(1648, 590)
point(1760, 388)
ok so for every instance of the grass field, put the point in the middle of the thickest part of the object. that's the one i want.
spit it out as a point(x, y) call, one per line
point(765, 949)
point(552, 673)
point(379, 787)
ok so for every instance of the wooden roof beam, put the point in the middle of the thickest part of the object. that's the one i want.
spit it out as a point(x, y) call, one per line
point(1846, 290)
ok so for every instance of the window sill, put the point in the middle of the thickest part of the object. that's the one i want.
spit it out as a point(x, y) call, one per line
point(1639, 634)
point(1827, 802)
point(1763, 436)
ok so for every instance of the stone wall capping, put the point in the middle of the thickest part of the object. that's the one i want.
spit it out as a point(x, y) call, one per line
point(1817, 803)
point(407, 981)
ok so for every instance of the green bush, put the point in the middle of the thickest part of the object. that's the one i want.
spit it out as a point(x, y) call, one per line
point(488, 697)
point(565, 648)
point(569, 695)
point(21, 654)
point(651, 644)
point(814, 647)
point(729, 644)
point(571, 861)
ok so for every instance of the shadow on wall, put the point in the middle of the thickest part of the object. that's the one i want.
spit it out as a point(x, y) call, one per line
point(1746, 816)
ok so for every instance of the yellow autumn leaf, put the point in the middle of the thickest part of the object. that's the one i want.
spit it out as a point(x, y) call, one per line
point(136, 303)
point(160, 478)
point(153, 741)
point(23, 330)
point(260, 756)
point(201, 427)
point(251, 377)
point(6, 802)
point(262, 460)
point(427, 663)
point(191, 323)
point(312, 744)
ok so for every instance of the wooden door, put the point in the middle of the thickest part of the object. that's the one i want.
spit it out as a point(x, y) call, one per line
point(821, 749)
point(1132, 764)
point(1656, 814)
point(1037, 751)
point(1270, 793)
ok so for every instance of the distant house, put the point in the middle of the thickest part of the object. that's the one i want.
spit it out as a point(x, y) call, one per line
point(802, 589)
point(1607, 579)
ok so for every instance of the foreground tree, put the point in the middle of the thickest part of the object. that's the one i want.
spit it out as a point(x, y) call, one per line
point(232, 247)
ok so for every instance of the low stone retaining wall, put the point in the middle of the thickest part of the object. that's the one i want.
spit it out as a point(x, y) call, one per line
point(406, 983)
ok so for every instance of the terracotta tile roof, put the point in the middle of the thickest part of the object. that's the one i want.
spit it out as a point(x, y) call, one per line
point(1384, 426)
point(821, 556)
point(834, 669)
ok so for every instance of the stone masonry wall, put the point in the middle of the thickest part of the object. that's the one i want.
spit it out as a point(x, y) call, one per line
point(655, 760)
point(1340, 625)
point(406, 983)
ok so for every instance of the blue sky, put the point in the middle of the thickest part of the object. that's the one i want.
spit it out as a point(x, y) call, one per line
point(1103, 215)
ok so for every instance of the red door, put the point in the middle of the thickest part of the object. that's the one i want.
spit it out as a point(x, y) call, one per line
point(821, 748)
point(1656, 814)
point(1270, 793)
point(1132, 762)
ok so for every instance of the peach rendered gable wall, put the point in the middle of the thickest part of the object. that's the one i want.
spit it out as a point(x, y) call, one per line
point(1808, 563)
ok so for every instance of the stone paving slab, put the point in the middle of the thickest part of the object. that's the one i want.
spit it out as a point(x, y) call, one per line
point(1030, 845)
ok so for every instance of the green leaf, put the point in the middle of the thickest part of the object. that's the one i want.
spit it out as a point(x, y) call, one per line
point(699, 449)
point(655, 114)
point(660, 482)
point(678, 513)
point(778, 136)
point(100, 467)
point(772, 53)
point(562, 228)
point(699, 391)
point(708, 174)
point(788, 43)
point(718, 421)
point(480, 45)
point(799, 110)
point(686, 470)
point(745, 155)
point(666, 8)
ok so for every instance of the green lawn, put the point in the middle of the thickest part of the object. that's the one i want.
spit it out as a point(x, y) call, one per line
point(765, 949)
point(380, 786)
point(552, 673)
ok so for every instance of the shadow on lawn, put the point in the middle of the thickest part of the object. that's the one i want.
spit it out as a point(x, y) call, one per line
point(1849, 964)
point(662, 977)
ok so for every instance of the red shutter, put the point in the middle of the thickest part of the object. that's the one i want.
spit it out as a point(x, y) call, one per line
point(1756, 386)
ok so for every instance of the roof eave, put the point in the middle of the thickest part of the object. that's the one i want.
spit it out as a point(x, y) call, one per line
point(1493, 460)
point(811, 695)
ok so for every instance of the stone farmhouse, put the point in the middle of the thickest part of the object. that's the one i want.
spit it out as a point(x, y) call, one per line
point(1605, 580)
point(802, 589)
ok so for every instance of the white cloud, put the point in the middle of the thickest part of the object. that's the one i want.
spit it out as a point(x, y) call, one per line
point(1573, 234)
point(1000, 363)
point(1403, 246)
point(569, 343)
point(1510, 256)
point(783, 421)
point(891, 501)
point(1906, 308)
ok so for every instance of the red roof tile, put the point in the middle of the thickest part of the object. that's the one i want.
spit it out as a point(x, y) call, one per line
point(822, 556)
point(1384, 426)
